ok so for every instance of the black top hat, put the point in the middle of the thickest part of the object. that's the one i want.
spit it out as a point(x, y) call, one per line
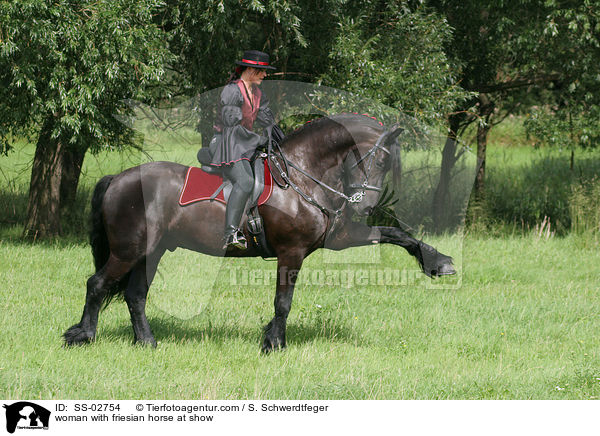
point(255, 59)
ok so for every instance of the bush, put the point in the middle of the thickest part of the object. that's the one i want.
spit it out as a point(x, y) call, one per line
point(584, 207)
point(522, 194)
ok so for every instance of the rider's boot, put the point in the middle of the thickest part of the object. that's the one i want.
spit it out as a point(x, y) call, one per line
point(235, 208)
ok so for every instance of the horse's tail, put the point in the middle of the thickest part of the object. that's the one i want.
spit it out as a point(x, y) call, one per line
point(99, 239)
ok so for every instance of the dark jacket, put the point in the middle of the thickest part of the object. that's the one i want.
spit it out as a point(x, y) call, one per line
point(237, 120)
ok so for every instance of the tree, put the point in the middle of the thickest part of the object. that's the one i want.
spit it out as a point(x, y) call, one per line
point(65, 69)
point(393, 54)
point(208, 36)
point(570, 116)
point(510, 54)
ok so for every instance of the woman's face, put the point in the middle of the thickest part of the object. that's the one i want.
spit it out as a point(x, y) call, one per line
point(256, 75)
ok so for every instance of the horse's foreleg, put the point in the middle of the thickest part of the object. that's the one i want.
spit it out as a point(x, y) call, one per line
point(432, 262)
point(288, 267)
point(97, 289)
point(136, 294)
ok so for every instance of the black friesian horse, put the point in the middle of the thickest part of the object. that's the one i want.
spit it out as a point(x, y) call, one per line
point(337, 168)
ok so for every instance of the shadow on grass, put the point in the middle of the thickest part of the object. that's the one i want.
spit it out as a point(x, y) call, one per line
point(74, 222)
point(524, 194)
point(172, 330)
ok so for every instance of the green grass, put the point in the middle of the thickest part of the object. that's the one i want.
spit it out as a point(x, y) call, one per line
point(523, 325)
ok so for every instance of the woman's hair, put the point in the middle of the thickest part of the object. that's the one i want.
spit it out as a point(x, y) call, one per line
point(236, 74)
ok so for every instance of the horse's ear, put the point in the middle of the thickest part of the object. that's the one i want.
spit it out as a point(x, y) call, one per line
point(393, 134)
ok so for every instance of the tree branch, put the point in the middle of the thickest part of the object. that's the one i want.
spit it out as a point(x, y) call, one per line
point(517, 83)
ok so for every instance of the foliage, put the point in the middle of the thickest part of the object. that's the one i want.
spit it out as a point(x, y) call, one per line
point(74, 62)
point(564, 129)
point(208, 36)
point(394, 55)
point(527, 185)
point(584, 208)
point(529, 53)
point(573, 118)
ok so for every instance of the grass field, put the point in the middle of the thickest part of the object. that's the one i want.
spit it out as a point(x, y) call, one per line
point(521, 321)
point(522, 325)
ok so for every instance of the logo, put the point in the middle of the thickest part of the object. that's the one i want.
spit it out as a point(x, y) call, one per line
point(25, 415)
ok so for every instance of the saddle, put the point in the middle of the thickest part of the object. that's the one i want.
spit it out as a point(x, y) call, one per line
point(207, 184)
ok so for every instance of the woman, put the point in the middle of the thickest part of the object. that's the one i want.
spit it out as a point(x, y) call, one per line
point(243, 107)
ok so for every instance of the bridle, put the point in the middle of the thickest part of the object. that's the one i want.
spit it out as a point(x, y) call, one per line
point(365, 186)
point(357, 197)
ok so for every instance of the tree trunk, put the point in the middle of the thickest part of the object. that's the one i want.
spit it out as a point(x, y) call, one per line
point(486, 109)
point(441, 196)
point(72, 163)
point(482, 132)
point(572, 160)
point(572, 136)
point(43, 208)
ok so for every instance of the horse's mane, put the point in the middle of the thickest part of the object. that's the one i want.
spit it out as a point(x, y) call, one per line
point(343, 123)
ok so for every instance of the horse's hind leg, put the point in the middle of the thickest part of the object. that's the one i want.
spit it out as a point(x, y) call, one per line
point(97, 289)
point(136, 294)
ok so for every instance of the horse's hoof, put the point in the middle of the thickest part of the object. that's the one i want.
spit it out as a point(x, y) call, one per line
point(148, 342)
point(272, 343)
point(76, 335)
point(446, 270)
point(268, 346)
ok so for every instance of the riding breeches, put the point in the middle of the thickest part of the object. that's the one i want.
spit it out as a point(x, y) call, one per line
point(242, 179)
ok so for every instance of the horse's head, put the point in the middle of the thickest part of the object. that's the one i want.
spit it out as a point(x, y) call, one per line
point(346, 152)
point(365, 168)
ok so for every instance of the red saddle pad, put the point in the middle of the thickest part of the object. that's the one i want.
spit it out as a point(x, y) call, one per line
point(200, 186)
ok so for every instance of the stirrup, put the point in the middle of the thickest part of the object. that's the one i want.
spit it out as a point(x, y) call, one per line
point(236, 240)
